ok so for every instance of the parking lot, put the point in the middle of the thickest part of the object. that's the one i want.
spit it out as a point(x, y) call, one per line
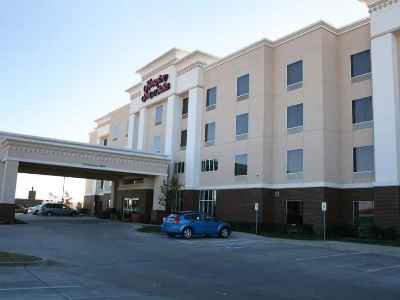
point(87, 258)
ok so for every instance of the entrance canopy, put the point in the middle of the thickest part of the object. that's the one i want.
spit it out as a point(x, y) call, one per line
point(37, 155)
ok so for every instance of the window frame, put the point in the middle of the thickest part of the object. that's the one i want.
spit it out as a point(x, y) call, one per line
point(237, 172)
point(301, 211)
point(185, 108)
point(214, 105)
point(356, 215)
point(298, 84)
point(206, 131)
point(183, 147)
point(158, 112)
point(207, 201)
point(158, 137)
point(243, 135)
point(244, 95)
point(352, 65)
point(302, 116)
point(179, 167)
point(209, 165)
point(355, 169)
point(354, 113)
point(289, 172)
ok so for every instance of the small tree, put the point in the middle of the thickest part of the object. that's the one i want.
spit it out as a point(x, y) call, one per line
point(169, 196)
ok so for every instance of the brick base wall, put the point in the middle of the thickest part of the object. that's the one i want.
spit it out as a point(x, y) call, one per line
point(237, 205)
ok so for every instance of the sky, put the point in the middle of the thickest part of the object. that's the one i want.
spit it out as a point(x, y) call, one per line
point(64, 63)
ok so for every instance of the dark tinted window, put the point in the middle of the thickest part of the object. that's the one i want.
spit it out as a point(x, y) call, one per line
point(295, 161)
point(363, 159)
point(211, 97)
point(243, 85)
point(183, 138)
point(362, 110)
point(179, 167)
point(185, 106)
point(209, 132)
point(361, 63)
point(242, 124)
point(295, 73)
point(295, 116)
point(241, 164)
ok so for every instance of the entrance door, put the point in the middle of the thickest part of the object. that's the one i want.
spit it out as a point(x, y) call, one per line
point(98, 206)
point(294, 212)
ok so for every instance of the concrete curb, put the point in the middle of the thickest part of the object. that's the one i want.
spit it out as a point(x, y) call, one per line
point(23, 263)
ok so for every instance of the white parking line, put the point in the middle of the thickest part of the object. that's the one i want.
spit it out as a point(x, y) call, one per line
point(40, 288)
point(383, 269)
point(328, 256)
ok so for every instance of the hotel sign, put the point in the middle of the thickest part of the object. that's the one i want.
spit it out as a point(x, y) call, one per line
point(155, 87)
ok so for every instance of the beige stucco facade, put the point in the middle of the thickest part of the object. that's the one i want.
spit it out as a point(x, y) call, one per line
point(328, 135)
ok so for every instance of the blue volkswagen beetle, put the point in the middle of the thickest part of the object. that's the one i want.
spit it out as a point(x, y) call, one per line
point(188, 224)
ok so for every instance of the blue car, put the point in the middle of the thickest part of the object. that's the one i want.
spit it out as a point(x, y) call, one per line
point(188, 224)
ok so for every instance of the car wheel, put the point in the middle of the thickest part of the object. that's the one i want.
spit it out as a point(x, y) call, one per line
point(49, 214)
point(187, 233)
point(224, 233)
point(171, 235)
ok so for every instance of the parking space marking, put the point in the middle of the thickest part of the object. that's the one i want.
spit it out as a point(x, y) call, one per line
point(228, 244)
point(383, 269)
point(40, 288)
point(329, 256)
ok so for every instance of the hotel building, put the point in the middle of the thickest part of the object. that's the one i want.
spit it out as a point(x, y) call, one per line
point(309, 118)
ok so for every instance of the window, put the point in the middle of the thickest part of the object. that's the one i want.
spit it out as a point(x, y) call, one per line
point(242, 124)
point(159, 111)
point(179, 167)
point(241, 165)
point(133, 181)
point(363, 159)
point(294, 212)
point(102, 184)
point(243, 86)
point(185, 108)
point(295, 116)
point(157, 144)
point(209, 137)
point(131, 205)
point(361, 63)
point(363, 212)
point(207, 202)
point(295, 73)
point(295, 161)
point(362, 110)
point(104, 141)
point(114, 132)
point(183, 139)
point(209, 165)
point(211, 101)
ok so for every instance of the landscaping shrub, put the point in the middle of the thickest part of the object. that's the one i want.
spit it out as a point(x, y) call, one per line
point(341, 230)
point(389, 234)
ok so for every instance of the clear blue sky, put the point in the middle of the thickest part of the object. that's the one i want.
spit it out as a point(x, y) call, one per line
point(65, 63)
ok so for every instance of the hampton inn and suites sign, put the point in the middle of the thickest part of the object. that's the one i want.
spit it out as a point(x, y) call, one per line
point(155, 87)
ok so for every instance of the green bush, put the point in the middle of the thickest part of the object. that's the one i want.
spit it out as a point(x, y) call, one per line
point(341, 230)
point(389, 234)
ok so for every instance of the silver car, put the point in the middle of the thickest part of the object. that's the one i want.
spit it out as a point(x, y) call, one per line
point(54, 209)
point(34, 209)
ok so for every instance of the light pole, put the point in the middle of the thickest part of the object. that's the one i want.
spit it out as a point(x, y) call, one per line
point(63, 191)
